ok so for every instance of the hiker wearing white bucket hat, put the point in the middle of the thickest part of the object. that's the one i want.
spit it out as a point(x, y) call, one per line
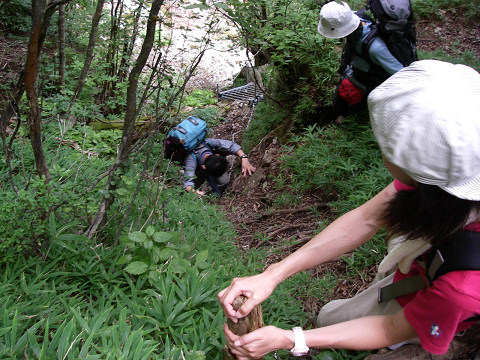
point(427, 122)
point(426, 119)
point(337, 20)
point(366, 59)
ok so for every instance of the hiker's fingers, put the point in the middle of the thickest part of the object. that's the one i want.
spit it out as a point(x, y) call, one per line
point(255, 288)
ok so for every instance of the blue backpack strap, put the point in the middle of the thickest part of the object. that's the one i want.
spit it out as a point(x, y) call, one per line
point(203, 143)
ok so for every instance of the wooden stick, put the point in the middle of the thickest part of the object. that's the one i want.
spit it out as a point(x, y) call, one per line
point(245, 325)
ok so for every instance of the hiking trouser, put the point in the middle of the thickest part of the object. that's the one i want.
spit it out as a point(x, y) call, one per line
point(221, 182)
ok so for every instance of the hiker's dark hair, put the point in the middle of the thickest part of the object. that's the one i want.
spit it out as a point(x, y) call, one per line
point(428, 212)
point(215, 165)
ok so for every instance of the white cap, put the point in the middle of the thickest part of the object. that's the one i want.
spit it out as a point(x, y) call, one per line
point(337, 20)
point(426, 119)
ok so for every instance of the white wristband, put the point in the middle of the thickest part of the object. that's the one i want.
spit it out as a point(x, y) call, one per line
point(300, 347)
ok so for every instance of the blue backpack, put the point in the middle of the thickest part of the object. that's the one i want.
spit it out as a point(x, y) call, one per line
point(184, 137)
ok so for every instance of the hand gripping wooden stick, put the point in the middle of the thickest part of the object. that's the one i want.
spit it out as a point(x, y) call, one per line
point(245, 325)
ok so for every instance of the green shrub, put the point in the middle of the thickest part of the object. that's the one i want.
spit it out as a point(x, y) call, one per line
point(344, 163)
point(267, 116)
point(200, 98)
point(15, 16)
point(425, 9)
point(209, 114)
point(90, 307)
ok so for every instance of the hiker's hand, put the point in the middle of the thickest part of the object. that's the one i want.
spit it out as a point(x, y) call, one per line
point(258, 343)
point(192, 190)
point(256, 288)
point(247, 168)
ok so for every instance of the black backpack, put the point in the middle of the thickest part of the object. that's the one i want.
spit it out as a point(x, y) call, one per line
point(461, 252)
point(393, 22)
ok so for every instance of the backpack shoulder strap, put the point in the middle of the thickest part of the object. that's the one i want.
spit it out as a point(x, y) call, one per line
point(349, 49)
point(368, 40)
point(461, 252)
point(208, 144)
point(202, 144)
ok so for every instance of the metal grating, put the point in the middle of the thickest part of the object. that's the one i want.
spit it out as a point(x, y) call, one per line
point(249, 93)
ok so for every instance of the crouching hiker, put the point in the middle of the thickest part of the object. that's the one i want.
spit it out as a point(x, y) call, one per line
point(426, 120)
point(374, 49)
point(207, 162)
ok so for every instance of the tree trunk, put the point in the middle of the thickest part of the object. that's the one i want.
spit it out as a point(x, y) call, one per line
point(92, 40)
point(61, 46)
point(31, 67)
point(130, 115)
point(123, 69)
point(19, 89)
point(115, 15)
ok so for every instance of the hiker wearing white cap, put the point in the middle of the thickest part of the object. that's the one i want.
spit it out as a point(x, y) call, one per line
point(361, 70)
point(426, 119)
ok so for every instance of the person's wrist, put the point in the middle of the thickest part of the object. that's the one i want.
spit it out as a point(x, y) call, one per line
point(288, 339)
point(275, 274)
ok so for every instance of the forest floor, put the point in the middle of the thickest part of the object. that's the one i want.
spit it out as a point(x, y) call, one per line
point(249, 203)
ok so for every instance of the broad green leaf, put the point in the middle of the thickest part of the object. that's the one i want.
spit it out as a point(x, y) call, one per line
point(202, 256)
point(125, 259)
point(136, 268)
point(156, 255)
point(166, 253)
point(150, 230)
point(197, 6)
point(162, 236)
point(148, 244)
point(122, 191)
point(221, 5)
point(179, 265)
point(137, 236)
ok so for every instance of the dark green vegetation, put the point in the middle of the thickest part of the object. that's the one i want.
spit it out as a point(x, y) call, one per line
point(102, 255)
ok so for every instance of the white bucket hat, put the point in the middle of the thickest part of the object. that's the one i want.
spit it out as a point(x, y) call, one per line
point(337, 20)
point(426, 119)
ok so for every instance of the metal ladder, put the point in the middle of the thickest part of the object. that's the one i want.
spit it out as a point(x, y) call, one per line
point(249, 93)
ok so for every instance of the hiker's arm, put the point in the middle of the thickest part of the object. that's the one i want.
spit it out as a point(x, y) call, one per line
point(247, 168)
point(367, 333)
point(232, 148)
point(343, 235)
point(220, 145)
point(381, 56)
point(189, 174)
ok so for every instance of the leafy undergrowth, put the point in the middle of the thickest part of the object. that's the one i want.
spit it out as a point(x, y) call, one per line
point(151, 296)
